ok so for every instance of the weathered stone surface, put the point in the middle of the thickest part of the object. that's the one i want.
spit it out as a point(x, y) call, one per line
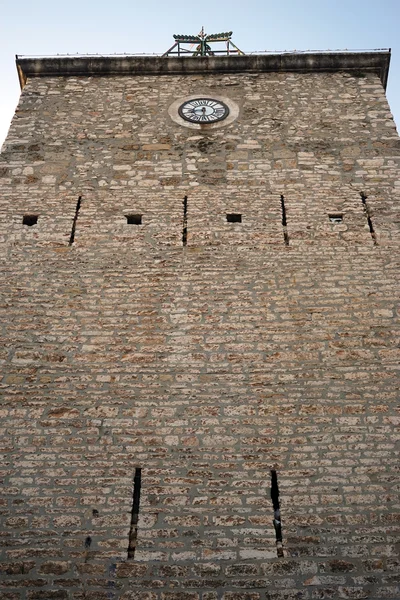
point(205, 365)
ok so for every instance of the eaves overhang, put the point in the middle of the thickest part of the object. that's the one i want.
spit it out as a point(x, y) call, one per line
point(297, 62)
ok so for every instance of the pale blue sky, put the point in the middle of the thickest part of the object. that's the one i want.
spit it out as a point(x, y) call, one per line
point(41, 27)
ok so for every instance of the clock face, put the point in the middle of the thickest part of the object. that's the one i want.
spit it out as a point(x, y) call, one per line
point(203, 110)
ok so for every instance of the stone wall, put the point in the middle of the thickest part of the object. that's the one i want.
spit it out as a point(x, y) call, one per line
point(254, 346)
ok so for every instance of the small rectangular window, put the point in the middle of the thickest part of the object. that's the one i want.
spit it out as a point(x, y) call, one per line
point(29, 220)
point(336, 218)
point(134, 219)
point(234, 218)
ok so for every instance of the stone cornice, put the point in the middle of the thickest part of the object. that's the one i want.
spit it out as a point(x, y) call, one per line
point(353, 62)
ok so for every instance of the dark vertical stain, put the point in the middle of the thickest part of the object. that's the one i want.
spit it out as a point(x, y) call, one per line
point(88, 543)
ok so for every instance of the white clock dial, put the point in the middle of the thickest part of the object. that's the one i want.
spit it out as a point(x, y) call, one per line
point(203, 110)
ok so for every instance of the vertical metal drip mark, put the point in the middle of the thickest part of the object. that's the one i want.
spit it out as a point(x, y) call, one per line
point(78, 207)
point(184, 230)
point(277, 513)
point(368, 215)
point(284, 222)
point(137, 484)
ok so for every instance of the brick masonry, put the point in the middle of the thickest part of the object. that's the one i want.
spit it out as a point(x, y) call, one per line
point(205, 365)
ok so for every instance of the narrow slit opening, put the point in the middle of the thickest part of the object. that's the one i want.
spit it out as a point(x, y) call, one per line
point(284, 221)
point(133, 531)
point(184, 225)
point(368, 215)
point(277, 513)
point(77, 209)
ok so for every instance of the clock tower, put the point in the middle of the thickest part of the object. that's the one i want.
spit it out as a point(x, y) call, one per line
point(199, 365)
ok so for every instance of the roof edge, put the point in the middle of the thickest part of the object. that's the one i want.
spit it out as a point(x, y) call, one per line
point(369, 61)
